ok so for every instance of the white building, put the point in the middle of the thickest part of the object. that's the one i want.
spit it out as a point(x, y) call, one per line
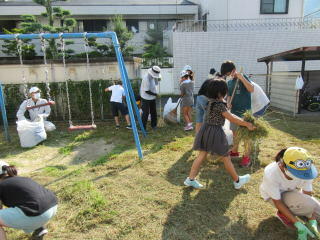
point(251, 9)
point(94, 15)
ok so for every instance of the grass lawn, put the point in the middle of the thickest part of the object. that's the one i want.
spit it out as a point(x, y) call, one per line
point(105, 192)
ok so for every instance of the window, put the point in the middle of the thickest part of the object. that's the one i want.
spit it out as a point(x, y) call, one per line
point(133, 25)
point(97, 25)
point(274, 6)
point(158, 25)
point(7, 24)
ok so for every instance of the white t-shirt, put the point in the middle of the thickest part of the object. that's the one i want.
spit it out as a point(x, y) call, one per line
point(117, 93)
point(274, 183)
point(258, 98)
point(148, 84)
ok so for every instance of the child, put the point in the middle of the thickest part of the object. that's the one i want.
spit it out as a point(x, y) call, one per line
point(117, 104)
point(186, 88)
point(211, 137)
point(188, 68)
point(241, 102)
point(202, 101)
point(292, 170)
point(29, 206)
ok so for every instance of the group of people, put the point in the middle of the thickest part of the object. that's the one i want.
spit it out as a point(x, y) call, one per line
point(286, 184)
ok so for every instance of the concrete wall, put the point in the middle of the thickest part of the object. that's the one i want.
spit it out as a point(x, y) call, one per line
point(35, 73)
point(204, 50)
point(246, 9)
point(167, 82)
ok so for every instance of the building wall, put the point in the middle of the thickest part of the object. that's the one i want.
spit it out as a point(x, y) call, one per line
point(246, 9)
point(204, 50)
point(35, 73)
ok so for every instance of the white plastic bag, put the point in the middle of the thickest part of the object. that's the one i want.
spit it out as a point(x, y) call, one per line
point(228, 132)
point(169, 106)
point(299, 83)
point(31, 133)
point(49, 126)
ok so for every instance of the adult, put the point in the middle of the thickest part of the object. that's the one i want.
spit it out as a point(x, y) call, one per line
point(34, 113)
point(287, 185)
point(29, 205)
point(148, 93)
point(117, 104)
point(240, 88)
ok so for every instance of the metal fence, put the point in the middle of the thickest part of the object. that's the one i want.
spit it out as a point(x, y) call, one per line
point(263, 24)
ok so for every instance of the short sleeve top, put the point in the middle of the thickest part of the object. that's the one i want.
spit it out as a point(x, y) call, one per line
point(214, 112)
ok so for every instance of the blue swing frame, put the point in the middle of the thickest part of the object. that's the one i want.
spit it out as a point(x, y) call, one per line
point(4, 114)
point(130, 98)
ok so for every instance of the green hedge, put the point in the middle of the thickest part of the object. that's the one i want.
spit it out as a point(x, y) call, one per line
point(79, 99)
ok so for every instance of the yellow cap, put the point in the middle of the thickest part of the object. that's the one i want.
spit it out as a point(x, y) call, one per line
point(297, 158)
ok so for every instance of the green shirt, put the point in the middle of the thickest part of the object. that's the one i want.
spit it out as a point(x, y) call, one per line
point(242, 98)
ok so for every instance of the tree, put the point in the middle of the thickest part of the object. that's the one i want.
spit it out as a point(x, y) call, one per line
point(123, 34)
point(32, 24)
point(153, 49)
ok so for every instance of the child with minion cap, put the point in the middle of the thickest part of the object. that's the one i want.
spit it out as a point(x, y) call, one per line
point(287, 184)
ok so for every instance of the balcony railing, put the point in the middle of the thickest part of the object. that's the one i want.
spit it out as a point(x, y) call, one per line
point(263, 24)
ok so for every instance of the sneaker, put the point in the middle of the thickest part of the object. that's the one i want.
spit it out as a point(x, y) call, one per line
point(284, 220)
point(242, 181)
point(190, 124)
point(188, 128)
point(234, 154)
point(39, 233)
point(117, 127)
point(129, 127)
point(245, 162)
point(192, 183)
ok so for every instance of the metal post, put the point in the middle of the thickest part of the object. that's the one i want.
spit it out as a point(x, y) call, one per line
point(4, 115)
point(303, 67)
point(128, 99)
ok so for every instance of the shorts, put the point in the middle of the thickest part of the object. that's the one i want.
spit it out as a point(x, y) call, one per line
point(15, 218)
point(201, 104)
point(261, 112)
point(116, 107)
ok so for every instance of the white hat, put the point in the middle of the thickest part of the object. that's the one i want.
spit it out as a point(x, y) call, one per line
point(33, 90)
point(187, 68)
point(155, 72)
point(2, 164)
point(184, 73)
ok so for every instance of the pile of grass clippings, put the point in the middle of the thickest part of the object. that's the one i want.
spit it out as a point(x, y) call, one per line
point(261, 131)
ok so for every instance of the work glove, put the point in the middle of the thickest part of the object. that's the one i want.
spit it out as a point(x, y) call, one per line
point(303, 231)
point(313, 225)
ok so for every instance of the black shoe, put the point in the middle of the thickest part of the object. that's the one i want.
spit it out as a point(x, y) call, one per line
point(117, 127)
point(129, 127)
point(39, 233)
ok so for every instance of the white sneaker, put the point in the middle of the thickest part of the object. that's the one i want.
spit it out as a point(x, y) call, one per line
point(188, 128)
point(242, 181)
point(194, 183)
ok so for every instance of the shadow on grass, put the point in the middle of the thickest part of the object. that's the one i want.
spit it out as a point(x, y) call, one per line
point(303, 130)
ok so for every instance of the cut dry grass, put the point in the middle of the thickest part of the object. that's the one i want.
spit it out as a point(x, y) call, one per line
point(116, 196)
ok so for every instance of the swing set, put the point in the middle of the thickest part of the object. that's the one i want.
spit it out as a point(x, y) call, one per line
point(130, 98)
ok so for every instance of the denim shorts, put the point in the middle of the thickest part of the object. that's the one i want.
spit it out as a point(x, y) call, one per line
point(201, 105)
point(15, 218)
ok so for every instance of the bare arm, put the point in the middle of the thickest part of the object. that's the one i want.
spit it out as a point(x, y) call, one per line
point(236, 120)
point(284, 210)
point(248, 85)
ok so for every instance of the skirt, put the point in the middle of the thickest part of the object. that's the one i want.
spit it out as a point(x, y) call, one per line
point(212, 139)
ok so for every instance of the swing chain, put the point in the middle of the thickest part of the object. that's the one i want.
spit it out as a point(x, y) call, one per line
point(65, 76)
point(86, 46)
point(19, 49)
point(43, 48)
